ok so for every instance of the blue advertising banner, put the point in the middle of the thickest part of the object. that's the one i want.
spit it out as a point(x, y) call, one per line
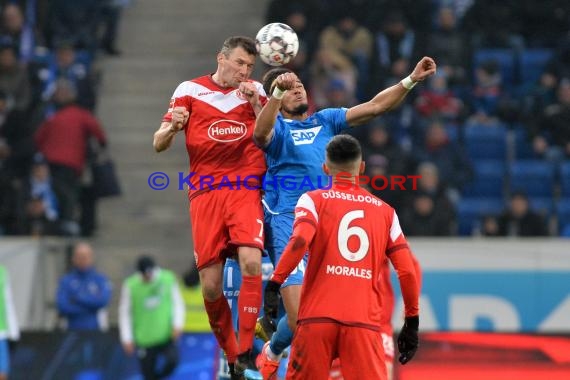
point(484, 285)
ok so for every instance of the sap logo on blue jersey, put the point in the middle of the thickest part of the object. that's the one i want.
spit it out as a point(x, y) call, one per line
point(305, 136)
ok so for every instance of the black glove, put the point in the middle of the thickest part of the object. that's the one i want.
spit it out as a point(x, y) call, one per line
point(271, 299)
point(408, 339)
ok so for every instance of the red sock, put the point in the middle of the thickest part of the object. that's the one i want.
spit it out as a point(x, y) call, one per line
point(220, 317)
point(249, 305)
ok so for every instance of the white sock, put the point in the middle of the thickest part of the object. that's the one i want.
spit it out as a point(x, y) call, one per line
point(271, 355)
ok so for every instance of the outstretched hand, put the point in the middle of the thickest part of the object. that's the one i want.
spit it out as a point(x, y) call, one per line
point(425, 68)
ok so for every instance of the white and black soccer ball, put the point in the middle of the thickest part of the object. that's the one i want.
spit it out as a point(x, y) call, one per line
point(277, 44)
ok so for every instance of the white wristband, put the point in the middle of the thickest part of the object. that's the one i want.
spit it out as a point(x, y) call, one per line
point(277, 93)
point(408, 83)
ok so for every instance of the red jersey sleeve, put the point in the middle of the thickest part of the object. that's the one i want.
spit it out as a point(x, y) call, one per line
point(402, 259)
point(306, 211)
point(94, 128)
point(304, 228)
point(180, 98)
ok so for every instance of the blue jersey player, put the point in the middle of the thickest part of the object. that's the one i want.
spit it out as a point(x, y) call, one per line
point(294, 144)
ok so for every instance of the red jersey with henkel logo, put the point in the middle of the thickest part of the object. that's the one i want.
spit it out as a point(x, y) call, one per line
point(354, 234)
point(218, 134)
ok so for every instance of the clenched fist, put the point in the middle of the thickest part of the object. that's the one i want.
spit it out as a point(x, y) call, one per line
point(424, 68)
point(249, 91)
point(180, 117)
point(286, 81)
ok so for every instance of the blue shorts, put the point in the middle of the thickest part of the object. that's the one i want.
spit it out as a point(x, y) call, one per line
point(278, 230)
point(4, 357)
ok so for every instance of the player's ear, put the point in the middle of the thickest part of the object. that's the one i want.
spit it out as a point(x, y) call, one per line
point(326, 169)
point(220, 57)
point(362, 167)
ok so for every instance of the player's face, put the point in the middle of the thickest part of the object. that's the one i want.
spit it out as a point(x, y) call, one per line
point(236, 67)
point(295, 100)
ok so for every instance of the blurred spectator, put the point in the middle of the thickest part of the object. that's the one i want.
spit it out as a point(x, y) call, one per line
point(196, 317)
point(385, 157)
point(540, 95)
point(329, 65)
point(395, 49)
point(377, 171)
point(453, 166)
point(83, 294)
point(297, 17)
point(279, 11)
point(380, 142)
point(16, 142)
point(430, 184)
point(431, 203)
point(9, 329)
point(63, 140)
point(111, 17)
point(151, 318)
point(18, 32)
point(493, 24)
point(459, 7)
point(424, 217)
point(486, 93)
point(66, 65)
point(517, 220)
point(448, 45)
point(351, 39)
point(337, 94)
point(14, 81)
point(559, 65)
point(40, 202)
point(437, 101)
point(551, 132)
point(75, 19)
point(544, 22)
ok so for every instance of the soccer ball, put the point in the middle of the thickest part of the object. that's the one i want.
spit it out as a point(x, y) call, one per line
point(276, 44)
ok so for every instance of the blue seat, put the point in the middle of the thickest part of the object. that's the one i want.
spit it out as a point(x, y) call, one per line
point(523, 147)
point(488, 179)
point(565, 179)
point(534, 177)
point(505, 58)
point(471, 210)
point(532, 64)
point(543, 206)
point(486, 142)
point(563, 214)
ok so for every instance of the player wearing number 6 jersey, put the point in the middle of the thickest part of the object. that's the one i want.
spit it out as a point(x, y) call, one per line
point(349, 233)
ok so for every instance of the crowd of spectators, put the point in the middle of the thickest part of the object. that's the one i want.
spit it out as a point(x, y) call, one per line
point(48, 95)
point(502, 66)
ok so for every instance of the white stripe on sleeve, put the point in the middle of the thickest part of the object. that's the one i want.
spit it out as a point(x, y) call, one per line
point(307, 203)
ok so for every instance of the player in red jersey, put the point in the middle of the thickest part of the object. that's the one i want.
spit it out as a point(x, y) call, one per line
point(217, 114)
point(386, 329)
point(348, 233)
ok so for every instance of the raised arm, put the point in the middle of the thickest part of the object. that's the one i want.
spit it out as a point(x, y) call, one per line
point(165, 135)
point(263, 131)
point(391, 97)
